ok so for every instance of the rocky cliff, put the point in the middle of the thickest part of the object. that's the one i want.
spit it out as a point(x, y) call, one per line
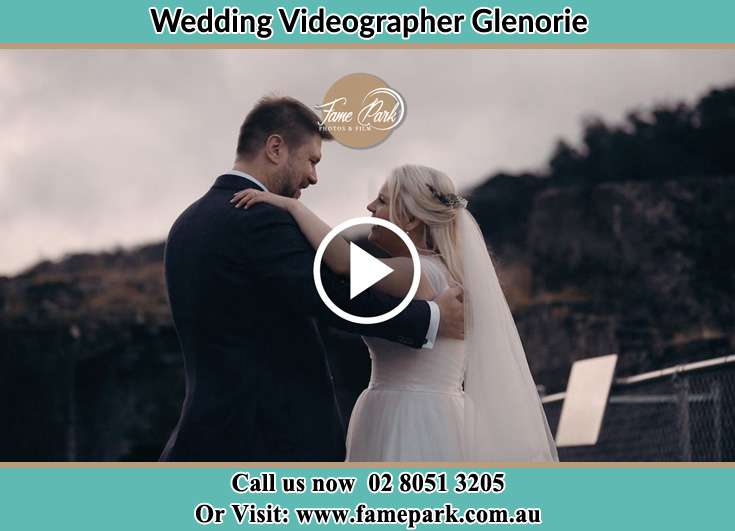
point(641, 269)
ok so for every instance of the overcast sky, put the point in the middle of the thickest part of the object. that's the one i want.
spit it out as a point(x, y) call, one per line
point(105, 148)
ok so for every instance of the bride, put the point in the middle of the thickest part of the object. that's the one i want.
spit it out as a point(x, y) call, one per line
point(471, 400)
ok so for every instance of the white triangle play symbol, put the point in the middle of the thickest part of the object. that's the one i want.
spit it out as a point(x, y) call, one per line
point(364, 270)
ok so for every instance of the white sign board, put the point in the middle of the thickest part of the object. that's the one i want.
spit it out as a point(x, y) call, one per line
point(585, 401)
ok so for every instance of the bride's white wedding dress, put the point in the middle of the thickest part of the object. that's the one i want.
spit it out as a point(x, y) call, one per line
point(471, 400)
point(413, 409)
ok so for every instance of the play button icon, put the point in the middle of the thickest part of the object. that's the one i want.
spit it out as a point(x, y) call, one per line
point(366, 270)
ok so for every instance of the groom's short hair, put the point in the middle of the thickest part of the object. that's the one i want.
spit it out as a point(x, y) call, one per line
point(284, 116)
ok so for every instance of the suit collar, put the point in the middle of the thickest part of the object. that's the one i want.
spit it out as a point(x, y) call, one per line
point(236, 180)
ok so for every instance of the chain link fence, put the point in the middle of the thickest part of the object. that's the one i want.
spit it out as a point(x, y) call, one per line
point(685, 413)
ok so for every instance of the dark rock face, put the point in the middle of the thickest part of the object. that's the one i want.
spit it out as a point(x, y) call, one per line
point(92, 369)
point(640, 269)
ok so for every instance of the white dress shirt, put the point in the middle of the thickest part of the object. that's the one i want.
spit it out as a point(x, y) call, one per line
point(433, 330)
point(248, 177)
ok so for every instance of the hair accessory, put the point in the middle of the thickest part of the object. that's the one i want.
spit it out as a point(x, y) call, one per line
point(452, 201)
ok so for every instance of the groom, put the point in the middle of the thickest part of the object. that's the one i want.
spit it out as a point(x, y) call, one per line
point(243, 300)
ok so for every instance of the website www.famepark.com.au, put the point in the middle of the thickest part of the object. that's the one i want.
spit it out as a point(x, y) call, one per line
point(413, 516)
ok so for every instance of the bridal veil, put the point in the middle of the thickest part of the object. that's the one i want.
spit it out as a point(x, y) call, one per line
point(504, 417)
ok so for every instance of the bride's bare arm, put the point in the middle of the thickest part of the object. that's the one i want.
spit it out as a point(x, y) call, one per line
point(337, 254)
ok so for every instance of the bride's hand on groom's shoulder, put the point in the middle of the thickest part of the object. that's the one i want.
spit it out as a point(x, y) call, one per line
point(249, 197)
point(451, 312)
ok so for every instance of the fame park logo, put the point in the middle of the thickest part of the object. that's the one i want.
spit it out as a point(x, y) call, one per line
point(361, 110)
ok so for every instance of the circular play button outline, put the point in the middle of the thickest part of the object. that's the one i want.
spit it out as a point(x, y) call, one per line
point(375, 319)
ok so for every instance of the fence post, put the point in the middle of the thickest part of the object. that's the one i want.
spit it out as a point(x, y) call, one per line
point(717, 413)
point(71, 429)
point(685, 439)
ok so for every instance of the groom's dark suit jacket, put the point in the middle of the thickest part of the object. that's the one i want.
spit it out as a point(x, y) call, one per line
point(243, 300)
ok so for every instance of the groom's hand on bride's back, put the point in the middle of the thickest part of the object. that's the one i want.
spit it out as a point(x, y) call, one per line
point(451, 312)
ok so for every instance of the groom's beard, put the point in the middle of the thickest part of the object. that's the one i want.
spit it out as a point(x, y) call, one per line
point(285, 183)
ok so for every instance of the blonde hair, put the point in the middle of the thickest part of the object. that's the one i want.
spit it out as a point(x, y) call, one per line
point(413, 191)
